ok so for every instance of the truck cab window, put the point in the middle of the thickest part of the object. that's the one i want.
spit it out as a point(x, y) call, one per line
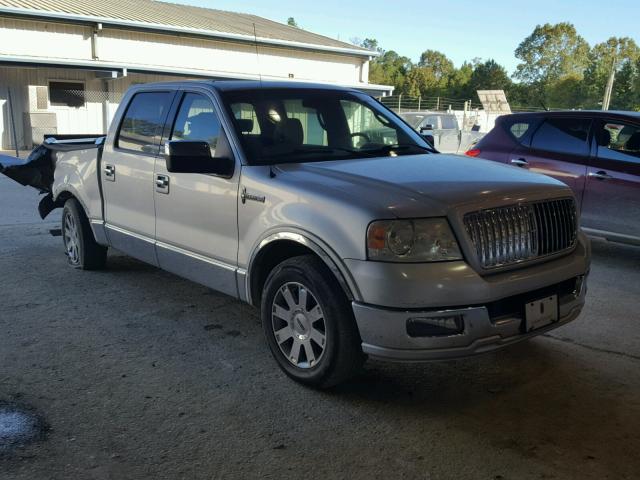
point(141, 128)
point(197, 121)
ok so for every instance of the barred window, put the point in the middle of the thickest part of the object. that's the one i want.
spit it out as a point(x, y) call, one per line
point(66, 94)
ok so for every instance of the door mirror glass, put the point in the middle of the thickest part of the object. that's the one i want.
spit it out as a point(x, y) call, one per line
point(183, 156)
point(427, 133)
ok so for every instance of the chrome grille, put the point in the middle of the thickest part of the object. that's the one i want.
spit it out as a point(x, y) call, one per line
point(516, 233)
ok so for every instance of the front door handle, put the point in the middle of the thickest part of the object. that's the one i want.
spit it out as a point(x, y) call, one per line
point(600, 175)
point(519, 162)
point(110, 173)
point(162, 183)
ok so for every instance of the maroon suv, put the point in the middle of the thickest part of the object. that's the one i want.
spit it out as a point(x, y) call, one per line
point(596, 153)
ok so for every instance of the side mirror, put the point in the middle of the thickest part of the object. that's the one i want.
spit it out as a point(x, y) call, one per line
point(427, 132)
point(195, 157)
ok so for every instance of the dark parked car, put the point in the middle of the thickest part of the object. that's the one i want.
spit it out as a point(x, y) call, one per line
point(596, 153)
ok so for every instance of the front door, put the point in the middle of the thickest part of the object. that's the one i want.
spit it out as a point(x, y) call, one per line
point(612, 195)
point(196, 214)
point(127, 175)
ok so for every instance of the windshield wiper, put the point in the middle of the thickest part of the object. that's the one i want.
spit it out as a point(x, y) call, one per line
point(329, 150)
point(400, 146)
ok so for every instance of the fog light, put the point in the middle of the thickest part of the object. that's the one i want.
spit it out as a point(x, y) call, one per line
point(435, 326)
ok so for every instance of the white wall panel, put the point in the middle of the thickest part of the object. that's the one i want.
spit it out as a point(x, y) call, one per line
point(217, 56)
point(44, 39)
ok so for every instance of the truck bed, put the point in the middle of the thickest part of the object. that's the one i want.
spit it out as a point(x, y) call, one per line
point(73, 161)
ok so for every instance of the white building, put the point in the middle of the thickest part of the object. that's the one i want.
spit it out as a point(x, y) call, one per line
point(64, 64)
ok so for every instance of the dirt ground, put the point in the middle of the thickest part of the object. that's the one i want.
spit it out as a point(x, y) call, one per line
point(136, 373)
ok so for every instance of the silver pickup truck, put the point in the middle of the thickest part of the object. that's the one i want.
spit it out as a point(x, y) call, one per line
point(444, 129)
point(351, 246)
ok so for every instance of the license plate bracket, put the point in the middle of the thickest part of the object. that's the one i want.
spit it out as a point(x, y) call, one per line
point(540, 313)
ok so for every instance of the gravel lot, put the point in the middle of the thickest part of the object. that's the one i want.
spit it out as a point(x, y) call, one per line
point(136, 373)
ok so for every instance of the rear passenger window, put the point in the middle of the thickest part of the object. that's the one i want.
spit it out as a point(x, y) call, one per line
point(617, 141)
point(141, 128)
point(563, 135)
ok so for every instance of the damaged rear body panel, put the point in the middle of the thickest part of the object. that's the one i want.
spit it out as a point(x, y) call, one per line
point(58, 169)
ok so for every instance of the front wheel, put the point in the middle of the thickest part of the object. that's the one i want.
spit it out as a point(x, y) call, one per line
point(309, 324)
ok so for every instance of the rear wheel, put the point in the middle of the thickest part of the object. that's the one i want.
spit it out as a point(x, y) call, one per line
point(80, 246)
point(309, 324)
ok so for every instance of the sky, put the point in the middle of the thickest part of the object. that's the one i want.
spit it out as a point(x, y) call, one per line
point(462, 29)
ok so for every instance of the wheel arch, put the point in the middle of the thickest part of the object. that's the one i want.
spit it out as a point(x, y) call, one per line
point(277, 247)
point(66, 193)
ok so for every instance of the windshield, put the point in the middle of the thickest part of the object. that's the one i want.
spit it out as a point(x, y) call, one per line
point(417, 119)
point(302, 125)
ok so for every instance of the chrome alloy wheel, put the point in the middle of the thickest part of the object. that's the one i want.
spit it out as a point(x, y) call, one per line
point(71, 238)
point(298, 325)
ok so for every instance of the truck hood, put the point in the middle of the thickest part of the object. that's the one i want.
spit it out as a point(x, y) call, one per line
point(427, 185)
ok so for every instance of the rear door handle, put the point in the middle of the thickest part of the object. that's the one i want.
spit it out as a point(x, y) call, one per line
point(520, 162)
point(162, 184)
point(600, 175)
point(110, 173)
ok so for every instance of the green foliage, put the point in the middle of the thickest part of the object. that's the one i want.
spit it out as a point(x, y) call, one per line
point(292, 22)
point(551, 53)
point(558, 69)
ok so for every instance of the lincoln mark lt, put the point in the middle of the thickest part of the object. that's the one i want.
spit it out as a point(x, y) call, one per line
point(326, 211)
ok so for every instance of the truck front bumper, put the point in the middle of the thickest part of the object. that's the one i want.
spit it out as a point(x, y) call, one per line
point(467, 314)
point(385, 333)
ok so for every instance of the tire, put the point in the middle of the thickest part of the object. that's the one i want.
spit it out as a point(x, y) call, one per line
point(317, 341)
point(79, 243)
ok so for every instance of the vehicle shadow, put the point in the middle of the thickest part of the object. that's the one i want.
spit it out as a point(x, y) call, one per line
point(618, 255)
point(541, 399)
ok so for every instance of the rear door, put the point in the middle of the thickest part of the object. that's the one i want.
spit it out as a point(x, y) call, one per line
point(560, 148)
point(196, 213)
point(127, 174)
point(612, 195)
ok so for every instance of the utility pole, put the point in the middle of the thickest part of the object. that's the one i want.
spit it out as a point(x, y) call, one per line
point(606, 101)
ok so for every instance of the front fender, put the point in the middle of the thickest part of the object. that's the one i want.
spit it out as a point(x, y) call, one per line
point(313, 243)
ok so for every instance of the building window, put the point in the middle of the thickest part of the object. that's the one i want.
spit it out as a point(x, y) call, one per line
point(66, 94)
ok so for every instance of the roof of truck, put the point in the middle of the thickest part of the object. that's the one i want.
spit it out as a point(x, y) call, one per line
point(238, 85)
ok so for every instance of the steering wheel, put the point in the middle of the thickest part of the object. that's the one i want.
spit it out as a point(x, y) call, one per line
point(362, 135)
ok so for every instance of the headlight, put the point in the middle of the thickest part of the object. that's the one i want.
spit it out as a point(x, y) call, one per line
point(424, 240)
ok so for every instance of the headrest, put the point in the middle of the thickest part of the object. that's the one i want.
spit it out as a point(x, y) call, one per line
point(605, 138)
point(291, 131)
point(245, 125)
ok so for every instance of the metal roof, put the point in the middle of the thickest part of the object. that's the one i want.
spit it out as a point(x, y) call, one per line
point(185, 19)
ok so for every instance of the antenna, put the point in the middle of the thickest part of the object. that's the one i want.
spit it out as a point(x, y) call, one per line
point(255, 40)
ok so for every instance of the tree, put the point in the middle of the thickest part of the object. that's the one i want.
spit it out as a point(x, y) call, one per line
point(292, 22)
point(441, 67)
point(489, 76)
point(389, 69)
point(619, 55)
point(368, 43)
point(459, 81)
point(550, 54)
point(626, 92)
